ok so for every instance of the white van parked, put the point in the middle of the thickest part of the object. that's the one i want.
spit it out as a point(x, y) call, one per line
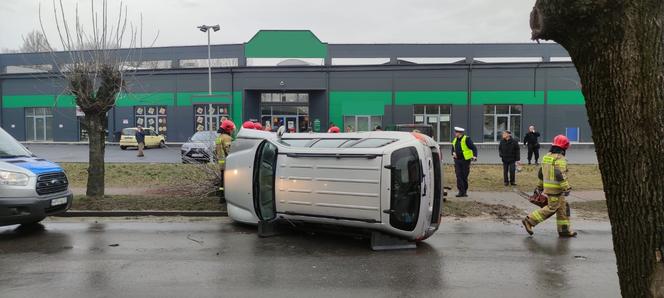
point(380, 182)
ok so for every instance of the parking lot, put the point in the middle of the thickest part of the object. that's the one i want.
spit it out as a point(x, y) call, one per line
point(177, 257)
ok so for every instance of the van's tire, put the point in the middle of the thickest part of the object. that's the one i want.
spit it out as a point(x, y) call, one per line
point(123, 147)
point(162, 144)
point(32, 224)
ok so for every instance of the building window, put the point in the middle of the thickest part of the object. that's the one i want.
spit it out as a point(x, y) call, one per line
point(153, 117)
point(498, 118)
point(39, 124)
point(285, 97)
point(438, 116)
point(208, 117)
point(361, 123)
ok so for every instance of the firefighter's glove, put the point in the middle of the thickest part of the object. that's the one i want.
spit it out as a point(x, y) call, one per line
point(566, 193)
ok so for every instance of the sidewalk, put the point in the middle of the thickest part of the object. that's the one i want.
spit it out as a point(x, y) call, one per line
point(509, 198)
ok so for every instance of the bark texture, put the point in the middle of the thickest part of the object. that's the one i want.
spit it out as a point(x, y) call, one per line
point(617, 48)
point(95, 101)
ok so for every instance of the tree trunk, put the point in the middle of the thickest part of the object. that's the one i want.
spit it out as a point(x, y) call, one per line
point(617, 48)
point(96, 125)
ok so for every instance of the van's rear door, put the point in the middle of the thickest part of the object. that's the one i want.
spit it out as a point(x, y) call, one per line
point(330, 185)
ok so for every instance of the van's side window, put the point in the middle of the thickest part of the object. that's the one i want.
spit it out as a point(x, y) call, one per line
point(264, 178)
point(406, 183)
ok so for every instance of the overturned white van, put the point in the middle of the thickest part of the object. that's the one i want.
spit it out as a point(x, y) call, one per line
point(379, 182)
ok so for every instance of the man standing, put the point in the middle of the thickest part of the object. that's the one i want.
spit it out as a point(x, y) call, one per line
point(223, 147)
point(531, 141)
point(140, 139)
point(553, 181)
point(463, 152)
point(510, 153)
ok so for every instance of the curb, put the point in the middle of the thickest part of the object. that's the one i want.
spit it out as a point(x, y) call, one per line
point(126, 213)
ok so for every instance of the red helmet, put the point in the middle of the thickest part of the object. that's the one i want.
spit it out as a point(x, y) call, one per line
point(248, 124)
point(227, 126)
point(561, 141)
point(334, 129)
point(258, 126)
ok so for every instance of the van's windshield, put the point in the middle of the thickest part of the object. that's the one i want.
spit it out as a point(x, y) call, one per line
point(9, 147)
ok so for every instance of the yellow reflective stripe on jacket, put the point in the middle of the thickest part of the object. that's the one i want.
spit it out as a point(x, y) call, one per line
point(467, 153)
point(562, 222)
point(537, 216)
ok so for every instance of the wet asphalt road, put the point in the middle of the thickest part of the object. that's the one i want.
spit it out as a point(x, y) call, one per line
point(488, 154)
point(219, 259)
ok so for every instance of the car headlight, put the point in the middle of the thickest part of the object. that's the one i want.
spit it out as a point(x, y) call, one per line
point(13, 178)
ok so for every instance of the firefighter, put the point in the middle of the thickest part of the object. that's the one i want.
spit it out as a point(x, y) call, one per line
point(553, 182)
point(223, 146)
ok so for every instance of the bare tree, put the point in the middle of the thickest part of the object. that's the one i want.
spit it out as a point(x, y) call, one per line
point(94, 76)
point(34, 42)
point(617, 47)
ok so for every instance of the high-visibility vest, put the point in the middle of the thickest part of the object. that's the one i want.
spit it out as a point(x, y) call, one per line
point(223, 142)
point(554, 167)
point(467, 153)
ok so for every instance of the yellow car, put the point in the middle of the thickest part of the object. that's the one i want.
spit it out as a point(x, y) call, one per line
point(152, 139)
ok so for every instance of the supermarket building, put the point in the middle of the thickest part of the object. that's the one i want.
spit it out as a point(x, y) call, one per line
point(290, 77)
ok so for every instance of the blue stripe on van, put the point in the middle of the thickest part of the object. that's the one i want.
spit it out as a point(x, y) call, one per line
point(37, 166)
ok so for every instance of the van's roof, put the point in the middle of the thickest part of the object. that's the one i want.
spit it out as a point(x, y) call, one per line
point(392, 138)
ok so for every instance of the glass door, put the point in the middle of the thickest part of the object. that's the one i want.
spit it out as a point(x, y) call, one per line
point(291, 124)
point(433, 121)
point(362, 123)
point(38, 123)
point(502, 124)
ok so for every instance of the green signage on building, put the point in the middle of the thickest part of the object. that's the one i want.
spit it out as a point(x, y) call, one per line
point(316, 125)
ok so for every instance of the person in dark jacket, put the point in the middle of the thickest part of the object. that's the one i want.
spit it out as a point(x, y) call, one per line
point(463, 152)
point(531, 141)
point(140, 139)
point(510, 153)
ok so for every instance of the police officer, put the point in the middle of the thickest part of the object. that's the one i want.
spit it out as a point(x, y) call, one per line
point(553, 182)
point(463, 152)
point(223, 146)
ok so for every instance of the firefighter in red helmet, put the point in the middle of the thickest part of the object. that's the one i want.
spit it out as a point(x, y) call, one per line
point(553, 182)
point(223, 146)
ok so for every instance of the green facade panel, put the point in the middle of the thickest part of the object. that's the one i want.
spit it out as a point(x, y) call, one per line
point(431, 97)
point(236, 109)
point(285, 44)
point(189, 98)
point(351, 103)
point(566, 97)
point(28, 101)
point(134, 99)
point(507, 97)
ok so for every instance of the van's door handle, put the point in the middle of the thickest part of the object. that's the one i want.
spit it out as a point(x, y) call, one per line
point(425, 191)
point(389, 211)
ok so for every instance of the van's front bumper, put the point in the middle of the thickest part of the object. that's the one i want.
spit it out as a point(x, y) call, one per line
point(28, 210)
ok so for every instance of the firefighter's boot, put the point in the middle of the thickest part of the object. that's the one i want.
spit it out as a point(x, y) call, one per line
point(527, 226)
point(567, 234)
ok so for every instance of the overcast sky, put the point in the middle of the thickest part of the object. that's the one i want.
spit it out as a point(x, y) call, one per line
point(333, 21)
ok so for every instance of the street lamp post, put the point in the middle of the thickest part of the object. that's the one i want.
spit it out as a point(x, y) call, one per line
point(207, 29)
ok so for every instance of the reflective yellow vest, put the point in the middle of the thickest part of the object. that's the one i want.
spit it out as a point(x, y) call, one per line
point(554, 174)
point(467, 153)
point(223, 143)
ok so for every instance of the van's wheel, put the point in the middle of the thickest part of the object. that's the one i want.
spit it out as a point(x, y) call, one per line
point(123, 147)
point(34, 225)
point(162, 144)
